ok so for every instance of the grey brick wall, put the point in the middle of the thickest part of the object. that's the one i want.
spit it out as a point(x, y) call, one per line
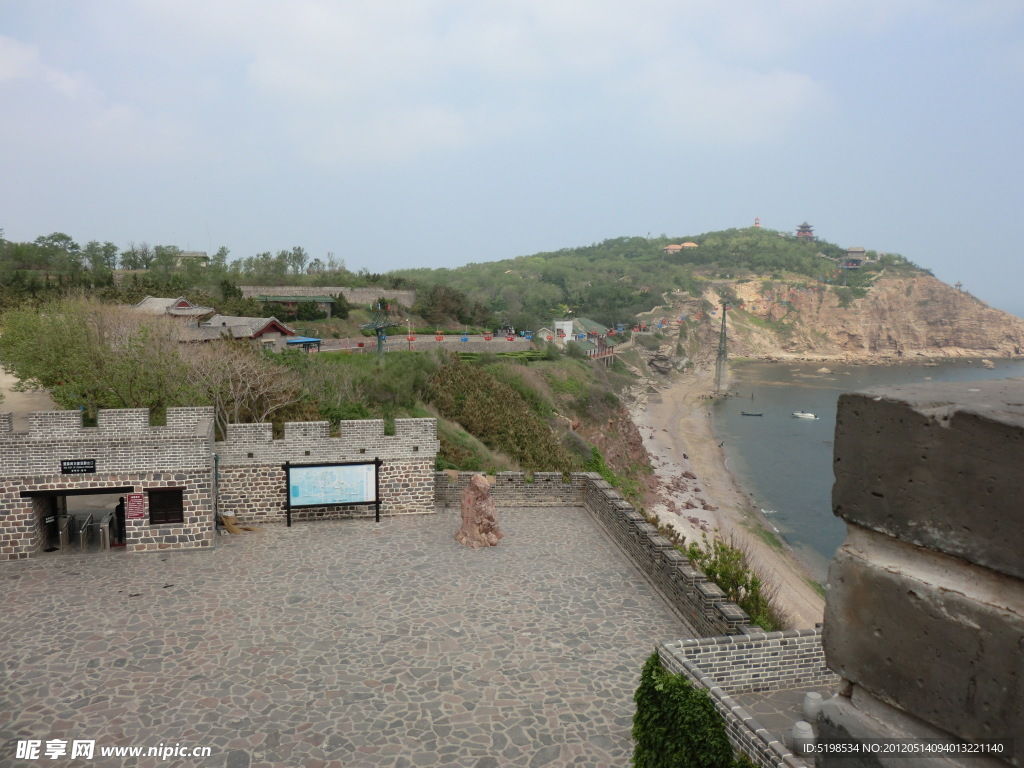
point(514, 489)
point(127, 452)
point(352, 295)
point(724, 666)
point(250, 480)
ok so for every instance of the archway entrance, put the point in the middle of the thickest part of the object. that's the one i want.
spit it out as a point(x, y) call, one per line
point(78, 519)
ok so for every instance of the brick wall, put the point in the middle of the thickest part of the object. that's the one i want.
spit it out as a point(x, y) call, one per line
point(764, 661)
point(251, 478)
point(130, 453)
point(352, 295)
point(127, 453)
point(925, 612)
point(514, 489)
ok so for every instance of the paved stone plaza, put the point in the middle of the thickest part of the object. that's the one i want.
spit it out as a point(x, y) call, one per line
point(343, 643)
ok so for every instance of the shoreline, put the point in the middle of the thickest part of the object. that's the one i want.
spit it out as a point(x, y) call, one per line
point(700, 496)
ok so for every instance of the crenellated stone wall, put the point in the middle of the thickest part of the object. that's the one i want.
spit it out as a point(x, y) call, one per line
point(127, 453)
point(241, 475)
point(251, 477)
point(924, 617)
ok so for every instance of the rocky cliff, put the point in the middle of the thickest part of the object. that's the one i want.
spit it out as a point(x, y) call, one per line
point(897, 317)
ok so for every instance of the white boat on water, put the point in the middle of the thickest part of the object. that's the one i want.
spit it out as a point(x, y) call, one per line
point(804, 415)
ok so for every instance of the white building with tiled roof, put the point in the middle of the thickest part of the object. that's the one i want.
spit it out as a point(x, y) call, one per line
point(179, 307)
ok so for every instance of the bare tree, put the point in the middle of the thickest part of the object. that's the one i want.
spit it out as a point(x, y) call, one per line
point(240, 383)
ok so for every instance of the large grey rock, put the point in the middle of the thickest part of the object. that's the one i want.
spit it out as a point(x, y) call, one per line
point(929, 634)
point(939, 465)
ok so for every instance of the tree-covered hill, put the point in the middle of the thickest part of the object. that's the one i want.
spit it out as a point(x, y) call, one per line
point(614, 280)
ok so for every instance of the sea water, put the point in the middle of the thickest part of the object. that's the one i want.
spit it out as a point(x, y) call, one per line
point(785, 463)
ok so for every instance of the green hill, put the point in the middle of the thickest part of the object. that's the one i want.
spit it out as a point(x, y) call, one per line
point(614, 280)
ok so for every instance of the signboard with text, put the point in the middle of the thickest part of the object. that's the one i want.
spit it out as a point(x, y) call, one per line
point(77, 466)
point(136, 506)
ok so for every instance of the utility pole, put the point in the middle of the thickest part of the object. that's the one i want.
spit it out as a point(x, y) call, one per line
point(723, 355)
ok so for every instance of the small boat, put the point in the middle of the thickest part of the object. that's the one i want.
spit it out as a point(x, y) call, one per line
point(750, 413)
point(804, 415)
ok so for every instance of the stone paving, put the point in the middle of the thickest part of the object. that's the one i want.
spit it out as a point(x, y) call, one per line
point(337, 643)
point(778, 711)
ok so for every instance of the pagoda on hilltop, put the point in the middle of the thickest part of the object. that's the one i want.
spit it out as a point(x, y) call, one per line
point(806, 232)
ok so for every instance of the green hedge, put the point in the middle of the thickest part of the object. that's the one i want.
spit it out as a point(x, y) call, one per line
point(676, 725)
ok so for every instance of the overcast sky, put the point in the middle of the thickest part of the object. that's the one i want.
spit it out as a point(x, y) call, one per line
point(398, 133)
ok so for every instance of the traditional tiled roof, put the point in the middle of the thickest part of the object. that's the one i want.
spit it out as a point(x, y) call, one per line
point(179, 307)
point(242, 327)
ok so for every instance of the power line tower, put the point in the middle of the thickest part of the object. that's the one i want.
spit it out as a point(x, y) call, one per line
point(723, 355)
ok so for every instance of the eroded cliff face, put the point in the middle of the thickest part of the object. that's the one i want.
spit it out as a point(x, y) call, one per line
point(902, 316)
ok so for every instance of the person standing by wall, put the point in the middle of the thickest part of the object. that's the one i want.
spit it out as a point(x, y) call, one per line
point(119, 516)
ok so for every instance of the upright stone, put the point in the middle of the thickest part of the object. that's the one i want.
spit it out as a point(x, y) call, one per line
point(479, 524)
point(925, 612)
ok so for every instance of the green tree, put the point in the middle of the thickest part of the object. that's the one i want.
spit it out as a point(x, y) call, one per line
point(94, 356)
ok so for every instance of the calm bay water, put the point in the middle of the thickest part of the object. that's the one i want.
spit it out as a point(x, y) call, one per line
point(785, 463)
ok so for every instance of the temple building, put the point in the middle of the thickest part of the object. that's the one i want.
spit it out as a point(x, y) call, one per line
point(806, 232)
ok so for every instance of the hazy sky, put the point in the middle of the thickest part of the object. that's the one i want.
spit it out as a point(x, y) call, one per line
point(400, 133)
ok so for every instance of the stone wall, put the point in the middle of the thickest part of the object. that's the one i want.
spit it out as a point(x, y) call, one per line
point(765, 661)
point(686, 589)
point(248, 480)
point(514, 489)
point(925, 612)
point(127, 453)
point(251, 477)
point(360, 296)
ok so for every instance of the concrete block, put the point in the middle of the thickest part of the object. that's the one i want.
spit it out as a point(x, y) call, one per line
point(937, 465)
point(929, 635)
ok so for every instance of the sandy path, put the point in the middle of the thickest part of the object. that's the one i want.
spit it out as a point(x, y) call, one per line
point(676, 427)
point(21, 403)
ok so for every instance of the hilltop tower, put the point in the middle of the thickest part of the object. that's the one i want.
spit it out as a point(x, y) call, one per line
point(806, 232)
point(757, 222)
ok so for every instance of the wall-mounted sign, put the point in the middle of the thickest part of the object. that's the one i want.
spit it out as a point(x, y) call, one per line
point(77, 466)
point(136, 507)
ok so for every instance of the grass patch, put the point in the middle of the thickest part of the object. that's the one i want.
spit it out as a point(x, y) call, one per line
point(819, 588)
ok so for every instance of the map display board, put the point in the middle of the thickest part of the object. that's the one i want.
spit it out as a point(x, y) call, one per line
point(331, 484)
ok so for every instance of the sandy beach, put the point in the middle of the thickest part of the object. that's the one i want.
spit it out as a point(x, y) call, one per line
point(700, 495)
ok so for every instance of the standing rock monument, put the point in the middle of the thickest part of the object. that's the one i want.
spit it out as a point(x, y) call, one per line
point(479, 525)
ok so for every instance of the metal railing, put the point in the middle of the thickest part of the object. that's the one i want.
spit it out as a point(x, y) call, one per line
point(85, 533)
point(63, 531)
point(104, 538)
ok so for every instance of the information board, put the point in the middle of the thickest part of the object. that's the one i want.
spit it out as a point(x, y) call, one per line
point(136, 506)
point(328, 485)
point(332, 485)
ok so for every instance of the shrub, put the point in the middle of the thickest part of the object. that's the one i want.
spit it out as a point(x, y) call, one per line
point(727, 565)
point(497, 415)
point(676, 725)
